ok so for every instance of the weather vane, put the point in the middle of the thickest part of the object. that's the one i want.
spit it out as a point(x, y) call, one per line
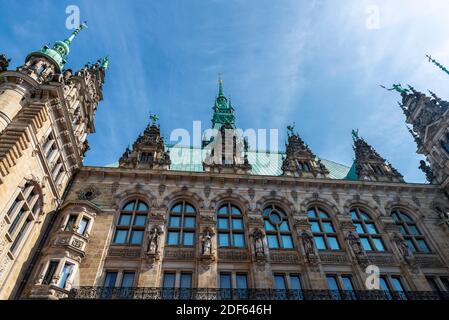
point(355, 134)
point(398, 88)
point(154, 118)
point(290, 129)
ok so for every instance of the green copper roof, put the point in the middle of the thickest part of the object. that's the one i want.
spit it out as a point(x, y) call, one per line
point(190, 160)
point(60, 49)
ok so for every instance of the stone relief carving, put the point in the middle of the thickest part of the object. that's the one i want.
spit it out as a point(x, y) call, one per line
point(88, 193)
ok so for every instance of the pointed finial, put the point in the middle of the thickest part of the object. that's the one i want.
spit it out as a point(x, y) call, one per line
point(355, 134)
point(220, 84)
point(397, 87)
point(439, 65)
point(82, 26)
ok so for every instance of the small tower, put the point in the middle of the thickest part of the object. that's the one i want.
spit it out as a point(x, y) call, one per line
point(299, 160)
point(227, 149)
point(369, 165)
point(42, 65)
point(148, 151)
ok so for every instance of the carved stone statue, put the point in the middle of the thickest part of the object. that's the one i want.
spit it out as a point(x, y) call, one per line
point(258, 243)
point(427, 170)
point(153, 240)
point(354, 243)
point(206, 241)
point(4, 62)
point(309, 246)
point(403, 248)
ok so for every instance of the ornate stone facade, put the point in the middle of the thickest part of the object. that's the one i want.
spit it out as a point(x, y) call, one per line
point(149, 223)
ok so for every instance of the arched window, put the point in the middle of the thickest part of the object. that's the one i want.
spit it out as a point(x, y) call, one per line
point(131, 223)
point(367, 231)
point(181, 225)
point(277, 228)
point(414, 238)
point(230, 226)
point(323, 229)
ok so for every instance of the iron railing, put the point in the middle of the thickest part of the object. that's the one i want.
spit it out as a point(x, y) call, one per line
point(145, 293)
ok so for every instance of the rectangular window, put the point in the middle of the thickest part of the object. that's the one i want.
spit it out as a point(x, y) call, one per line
point(273, 242)
point(70, 225)
point(169, 280)
point(287, 242)
point(189, 222)
point(136, 237)
point(371, 228)
point(186, 280)
point(83, 226)
point(366, 244)
point(175, 222)
point(49, 274)
point(128, 279)
point(120, 236)
point(347, 283)
point(295, 282)
point(140, 220)
point(379, 244)
point(223, 240)
point(315, 227)
point(110, 279)
point(333, 243)
point(328, 228)
point(124, 220)
point(279, 282)
point(237, 224)
point(319, 243)
point(66, 272)
point(422, 245)
point(223, 224)
point(188, 239)
point(21, 234)
point(225, 281)
point(239, 240)
point(242, 281)
point(332, 283)
point(173, 238)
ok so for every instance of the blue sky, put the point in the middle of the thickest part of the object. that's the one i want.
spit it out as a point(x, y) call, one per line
point(318, 63)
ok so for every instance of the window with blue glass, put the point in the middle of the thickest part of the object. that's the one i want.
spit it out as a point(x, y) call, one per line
point(277, 228)
point(323, 229)
point(131, 223)
point(412, 235)
point(65, 274)
point(367, 230)
point(230, 226)
point(182, 225)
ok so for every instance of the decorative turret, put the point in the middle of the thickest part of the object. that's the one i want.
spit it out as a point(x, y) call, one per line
point(148, 151)
point(369, 165)
point(42, 65)
point(299, 160)
point(227, 149)
point(223, 110)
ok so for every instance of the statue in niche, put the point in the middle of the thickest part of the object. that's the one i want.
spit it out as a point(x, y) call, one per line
point(153, 240)
point(354, 243)
point(206, 241)
point(308, 242)
point(258, 243)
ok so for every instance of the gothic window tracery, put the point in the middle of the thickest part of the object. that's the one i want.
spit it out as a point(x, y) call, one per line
point(323, 229)
point(131, 223)
point(367, 230)
point(412, 235)
point(277, 228)
point(182, 225)
point(230, 226)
